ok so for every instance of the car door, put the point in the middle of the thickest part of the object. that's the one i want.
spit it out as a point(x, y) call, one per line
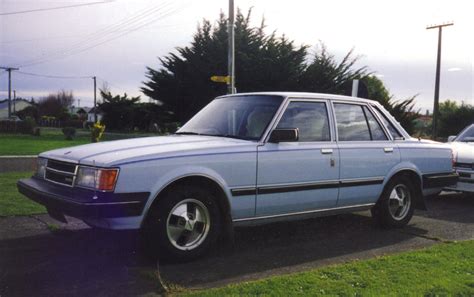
point(366, 153)
point(302, 175)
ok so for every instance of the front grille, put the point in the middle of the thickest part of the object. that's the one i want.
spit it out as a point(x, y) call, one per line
point(62, 166)
point(60, 172)
point(464, 165)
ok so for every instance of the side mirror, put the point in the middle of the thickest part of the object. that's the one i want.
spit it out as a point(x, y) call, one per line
point(284, 135)
point(451, 138)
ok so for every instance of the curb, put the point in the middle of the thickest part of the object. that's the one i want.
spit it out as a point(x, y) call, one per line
point(17, 163)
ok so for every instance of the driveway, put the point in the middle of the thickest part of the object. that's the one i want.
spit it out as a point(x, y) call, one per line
point(38, 258)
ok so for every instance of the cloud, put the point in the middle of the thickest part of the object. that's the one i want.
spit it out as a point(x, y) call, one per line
point(454, 69)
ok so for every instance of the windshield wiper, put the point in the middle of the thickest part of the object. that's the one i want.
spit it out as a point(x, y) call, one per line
point(216, 135)
point(188, 133)
point(228, 136)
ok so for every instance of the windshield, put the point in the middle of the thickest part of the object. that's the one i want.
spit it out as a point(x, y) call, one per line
point(467, 135)
point(243, 117)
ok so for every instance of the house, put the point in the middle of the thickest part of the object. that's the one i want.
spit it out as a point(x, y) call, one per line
point(90, 114)
point(16, 105)
point(81, 112)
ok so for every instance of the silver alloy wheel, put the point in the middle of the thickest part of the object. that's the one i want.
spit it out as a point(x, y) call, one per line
point(188, 224)
point(399, 202)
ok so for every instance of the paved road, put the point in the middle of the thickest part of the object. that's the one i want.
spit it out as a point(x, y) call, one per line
point(37, 259)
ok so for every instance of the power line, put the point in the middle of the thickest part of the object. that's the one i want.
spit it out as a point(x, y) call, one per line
point(54, 8)
point(111, 84)
point(109, 33)
point(54, 76)
point(38, 39)
point(8, 42)
point(98, 41)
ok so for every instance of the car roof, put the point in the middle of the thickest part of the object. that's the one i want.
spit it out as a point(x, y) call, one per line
point(303, 95)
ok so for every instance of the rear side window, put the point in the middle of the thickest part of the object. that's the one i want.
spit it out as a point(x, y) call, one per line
point(351, 123)
point(376, 131)
point(393, 131)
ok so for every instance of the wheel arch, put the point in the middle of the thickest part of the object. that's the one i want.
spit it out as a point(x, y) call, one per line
point(415, 177)
point(207, 181)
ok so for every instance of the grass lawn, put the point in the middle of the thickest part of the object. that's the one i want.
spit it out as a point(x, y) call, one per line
point(443, 270)
point(51, 138)
point(12, 203)
point(21, 144)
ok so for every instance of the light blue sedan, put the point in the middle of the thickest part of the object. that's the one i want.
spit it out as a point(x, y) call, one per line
point(246, 159)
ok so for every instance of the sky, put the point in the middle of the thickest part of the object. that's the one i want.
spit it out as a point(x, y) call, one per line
point(116, 40)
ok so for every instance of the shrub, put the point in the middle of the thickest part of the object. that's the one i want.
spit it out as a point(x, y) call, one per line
point(97, 130)
point(69, 132)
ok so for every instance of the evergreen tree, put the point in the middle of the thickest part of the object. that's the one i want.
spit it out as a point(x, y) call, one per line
point(263, 63)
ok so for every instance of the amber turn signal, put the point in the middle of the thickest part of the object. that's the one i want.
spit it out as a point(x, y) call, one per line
point(107, 179)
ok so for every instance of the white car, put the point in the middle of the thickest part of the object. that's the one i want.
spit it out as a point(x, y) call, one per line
point(463, 148)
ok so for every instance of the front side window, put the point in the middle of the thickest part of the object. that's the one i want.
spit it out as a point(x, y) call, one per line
point(310, 118)
point(243, 117)
point(351, 123)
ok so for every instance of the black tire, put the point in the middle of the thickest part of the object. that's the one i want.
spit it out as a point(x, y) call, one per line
point(389, 212)
point(177, 209)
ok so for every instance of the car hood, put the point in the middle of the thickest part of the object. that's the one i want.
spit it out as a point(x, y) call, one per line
point(111, 153)
point(464, 151)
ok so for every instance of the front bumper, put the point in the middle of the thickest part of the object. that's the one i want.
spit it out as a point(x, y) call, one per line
point(82, 203)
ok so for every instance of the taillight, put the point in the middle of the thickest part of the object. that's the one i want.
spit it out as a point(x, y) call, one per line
point(453, 158)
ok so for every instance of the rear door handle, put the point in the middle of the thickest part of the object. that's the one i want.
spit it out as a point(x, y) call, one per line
point(326, 151)
point(388, 149)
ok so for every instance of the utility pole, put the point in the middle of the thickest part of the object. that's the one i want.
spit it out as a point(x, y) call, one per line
point(95, 99)
point(14, 100)
point(438, 69)
point(9, 69)
point(231, 53)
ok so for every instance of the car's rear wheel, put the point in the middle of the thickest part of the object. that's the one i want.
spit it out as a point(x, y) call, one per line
point(183, 224)
point(396, 205)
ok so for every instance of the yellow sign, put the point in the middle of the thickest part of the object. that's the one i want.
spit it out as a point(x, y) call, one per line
point(220, 79)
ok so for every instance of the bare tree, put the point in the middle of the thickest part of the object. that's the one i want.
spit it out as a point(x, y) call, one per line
point(56, 105)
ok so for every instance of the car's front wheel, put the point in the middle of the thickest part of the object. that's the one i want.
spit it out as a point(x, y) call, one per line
point(183, 224)
point(396, 205)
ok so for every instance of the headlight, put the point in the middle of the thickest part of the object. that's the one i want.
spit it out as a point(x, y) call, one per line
point(96, 178)
point(41, 167)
